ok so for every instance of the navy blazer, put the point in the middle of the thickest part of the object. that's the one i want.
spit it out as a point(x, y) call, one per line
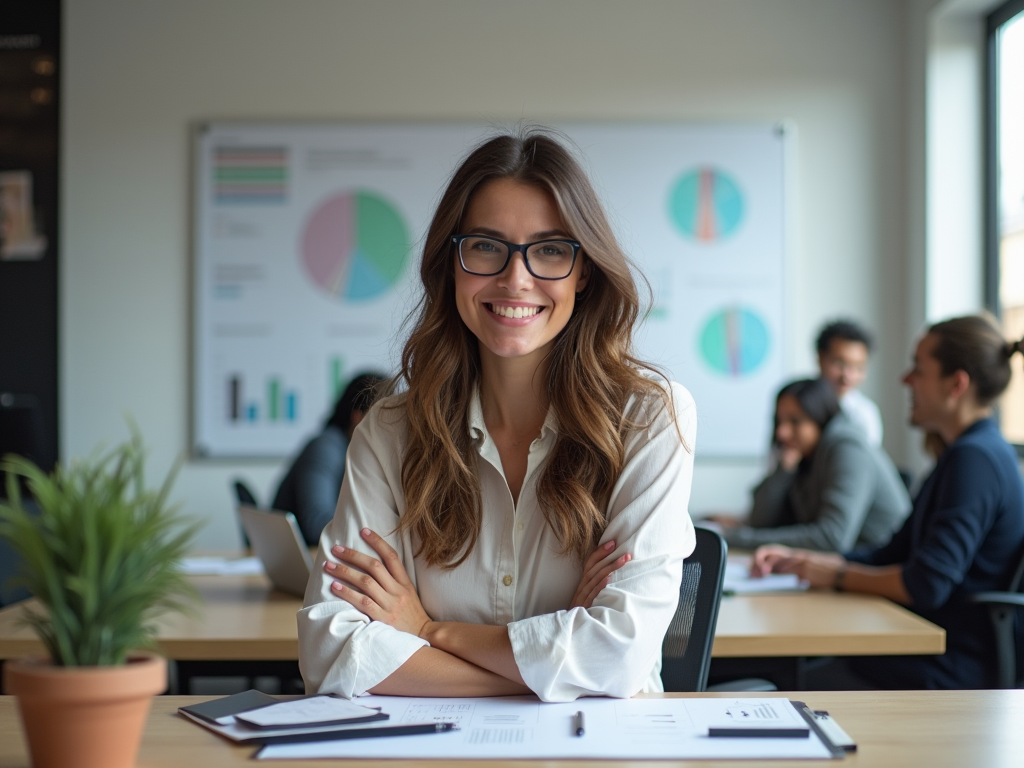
point(964, 535)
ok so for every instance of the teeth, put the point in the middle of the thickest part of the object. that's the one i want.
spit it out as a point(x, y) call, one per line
point(515, 312)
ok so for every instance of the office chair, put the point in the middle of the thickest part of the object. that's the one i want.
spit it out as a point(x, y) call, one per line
point(1002, 609)
point(244, 495)
point(686, 650)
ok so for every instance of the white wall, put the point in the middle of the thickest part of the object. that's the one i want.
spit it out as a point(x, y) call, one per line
point(137, 73)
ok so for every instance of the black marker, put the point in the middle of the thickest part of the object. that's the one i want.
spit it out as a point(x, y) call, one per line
point(797, 732)
point(578, 722)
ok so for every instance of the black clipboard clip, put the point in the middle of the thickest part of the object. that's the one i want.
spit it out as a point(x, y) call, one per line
point(835, 739)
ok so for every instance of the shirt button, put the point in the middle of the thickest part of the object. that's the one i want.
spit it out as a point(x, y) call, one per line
point(519, 527)
point(507, 581)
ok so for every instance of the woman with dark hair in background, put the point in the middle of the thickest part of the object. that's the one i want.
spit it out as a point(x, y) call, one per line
point(831, 490)
point(966, 532)
point(310, 488)
point(516, 520)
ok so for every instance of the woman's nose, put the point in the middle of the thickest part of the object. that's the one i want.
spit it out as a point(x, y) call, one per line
point(516, 274)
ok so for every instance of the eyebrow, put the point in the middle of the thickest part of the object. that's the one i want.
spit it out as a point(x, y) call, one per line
point(545, 235)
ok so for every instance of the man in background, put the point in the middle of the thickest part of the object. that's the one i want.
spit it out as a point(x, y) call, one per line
point(843, 351)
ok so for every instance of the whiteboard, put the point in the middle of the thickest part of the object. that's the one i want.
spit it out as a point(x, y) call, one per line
point(307, 239)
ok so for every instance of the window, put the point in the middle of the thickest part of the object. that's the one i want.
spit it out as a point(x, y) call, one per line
point(1005, 196)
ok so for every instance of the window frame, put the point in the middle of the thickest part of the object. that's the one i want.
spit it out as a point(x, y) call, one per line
point(993, 22)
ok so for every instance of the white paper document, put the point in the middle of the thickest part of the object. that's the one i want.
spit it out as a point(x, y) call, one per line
point(310, 710)
point(738, 580)
point(522, 727)
point(221, 566)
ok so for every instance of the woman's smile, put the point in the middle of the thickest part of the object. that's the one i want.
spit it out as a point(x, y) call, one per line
point(518, 314)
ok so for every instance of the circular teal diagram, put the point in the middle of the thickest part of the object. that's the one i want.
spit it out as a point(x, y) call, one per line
point(734, 341)
point(706, 204)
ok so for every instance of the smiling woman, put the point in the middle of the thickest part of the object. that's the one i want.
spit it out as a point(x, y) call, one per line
point(831, 490)
point(515, 519)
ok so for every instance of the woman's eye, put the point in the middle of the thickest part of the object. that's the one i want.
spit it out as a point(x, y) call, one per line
point(552, 250)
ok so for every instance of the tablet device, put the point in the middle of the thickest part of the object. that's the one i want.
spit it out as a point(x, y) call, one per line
point(277, 542)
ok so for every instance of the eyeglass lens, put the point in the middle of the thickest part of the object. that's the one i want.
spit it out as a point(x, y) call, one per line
point(549, 258)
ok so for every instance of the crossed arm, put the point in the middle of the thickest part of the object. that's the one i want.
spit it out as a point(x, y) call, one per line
point(463, 659)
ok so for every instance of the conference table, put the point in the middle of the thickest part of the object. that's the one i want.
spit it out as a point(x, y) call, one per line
point(892, 729)
point(241, 623)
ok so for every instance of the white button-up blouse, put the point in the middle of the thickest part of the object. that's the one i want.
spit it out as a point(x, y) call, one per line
point(515, 576)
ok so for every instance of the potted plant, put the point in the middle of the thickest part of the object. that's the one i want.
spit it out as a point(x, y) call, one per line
point(102, 554)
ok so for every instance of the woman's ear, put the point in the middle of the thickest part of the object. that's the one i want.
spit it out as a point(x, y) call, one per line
point(584, 275)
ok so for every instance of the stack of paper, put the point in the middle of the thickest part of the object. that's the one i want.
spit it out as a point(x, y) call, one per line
point(221, 566)
point(254, 717)
point(738, 580)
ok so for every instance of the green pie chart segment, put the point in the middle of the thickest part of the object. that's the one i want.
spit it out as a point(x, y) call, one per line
point(734, 342)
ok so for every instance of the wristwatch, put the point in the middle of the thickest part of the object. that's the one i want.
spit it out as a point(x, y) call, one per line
point(837, 582)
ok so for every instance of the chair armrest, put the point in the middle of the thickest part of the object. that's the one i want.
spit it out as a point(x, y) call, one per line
point(999, 598)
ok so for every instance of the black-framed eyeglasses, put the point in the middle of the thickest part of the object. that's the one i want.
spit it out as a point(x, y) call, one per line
point(544, 259)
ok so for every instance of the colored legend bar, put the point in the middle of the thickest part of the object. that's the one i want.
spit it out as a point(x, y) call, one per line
point(250, 175)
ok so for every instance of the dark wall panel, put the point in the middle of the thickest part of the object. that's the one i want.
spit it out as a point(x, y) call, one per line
point(29, 154)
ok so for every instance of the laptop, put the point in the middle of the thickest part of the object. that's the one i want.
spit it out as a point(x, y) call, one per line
point(277, 542)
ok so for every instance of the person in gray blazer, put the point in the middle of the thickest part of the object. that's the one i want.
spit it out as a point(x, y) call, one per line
point(831, 490)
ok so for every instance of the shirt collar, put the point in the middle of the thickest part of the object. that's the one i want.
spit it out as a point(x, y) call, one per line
point(478, 430)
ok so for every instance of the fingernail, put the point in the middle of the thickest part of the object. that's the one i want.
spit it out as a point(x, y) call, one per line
point(610, 544)
point(365, 531)
point(330, 566)
point(340, 550)
point(337, 587)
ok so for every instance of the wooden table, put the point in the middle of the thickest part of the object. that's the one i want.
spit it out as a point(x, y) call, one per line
point(817, 623)
point(241, 618)
point(238, 618)
point(940, 729)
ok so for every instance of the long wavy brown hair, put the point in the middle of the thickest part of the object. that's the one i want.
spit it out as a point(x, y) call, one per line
point(592, 369)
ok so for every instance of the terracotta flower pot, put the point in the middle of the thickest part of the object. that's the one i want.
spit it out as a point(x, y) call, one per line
point(87, 717)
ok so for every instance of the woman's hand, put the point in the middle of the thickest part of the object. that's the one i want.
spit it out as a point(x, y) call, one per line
point(379, 588)
point(789, 458)
point(596, 575)
point(819, 569)
point(772, 558)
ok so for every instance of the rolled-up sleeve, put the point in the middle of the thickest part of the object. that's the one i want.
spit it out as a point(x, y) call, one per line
point(614, 647)
point(340, 650)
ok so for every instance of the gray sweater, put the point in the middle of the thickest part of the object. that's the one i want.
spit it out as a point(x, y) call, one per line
point(846, 494)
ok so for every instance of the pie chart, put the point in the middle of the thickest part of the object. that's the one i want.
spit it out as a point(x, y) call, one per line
point(706, 204)
point(734, 341)
point(355, 246)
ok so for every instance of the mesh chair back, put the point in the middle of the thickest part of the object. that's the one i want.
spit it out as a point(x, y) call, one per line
point(686, 650)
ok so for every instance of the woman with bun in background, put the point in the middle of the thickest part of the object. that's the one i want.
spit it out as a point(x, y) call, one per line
point(966, 531)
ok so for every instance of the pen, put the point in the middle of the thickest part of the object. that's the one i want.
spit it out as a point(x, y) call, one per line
point(578, 723)
point(760, 733)
point(361, 733)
